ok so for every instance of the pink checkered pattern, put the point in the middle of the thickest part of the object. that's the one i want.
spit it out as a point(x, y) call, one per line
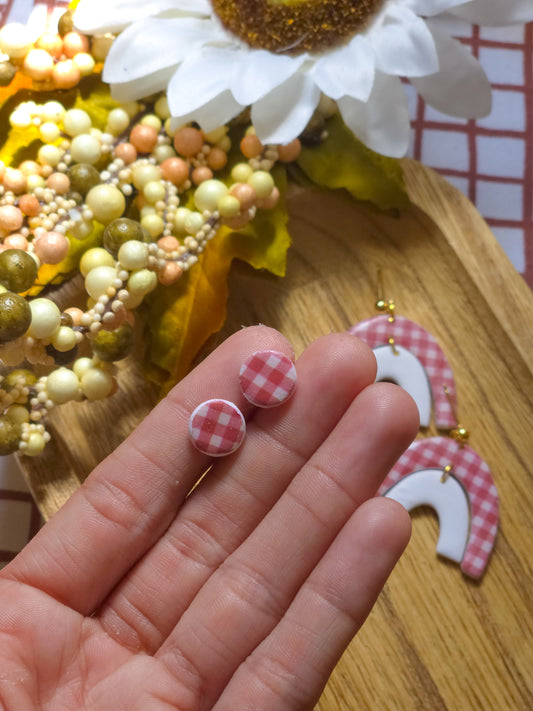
point(217, 427)
point(267, 378)
point(377, 330)
point(474, 474)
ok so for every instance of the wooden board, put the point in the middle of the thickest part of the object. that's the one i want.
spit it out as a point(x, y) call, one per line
point(436, 640)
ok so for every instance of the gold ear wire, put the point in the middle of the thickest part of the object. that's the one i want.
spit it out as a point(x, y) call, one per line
point(460, 434)
point(382, 304)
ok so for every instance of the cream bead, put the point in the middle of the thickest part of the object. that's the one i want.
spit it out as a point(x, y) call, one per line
point(49, 132)
point(98, 281)
point(62, 385)
point(161, 153)
point(193, 222)
point(207, 195)
point(35, 181)
point(182, 213)
point(145, 173)
point(154, 224)
point(96, 383)
point(52, 111)
point(153, 121)
point(142, 282)
point(133, 254)
point(241, 172)
point(118, 121)
point(15, 40)
point(20, 118)
point(49, 155)
point(106, 202)
point(18, 413)
point(154, 191)
point(45, 318)
point(85, 63)
point(95, 257)
point(81, 365)
point(34, 444)
point(262, 182)
point(85, 149)
point(228, 206)
point(161, 108)
point(76, 122)
point(216, 135)
point(64, 339)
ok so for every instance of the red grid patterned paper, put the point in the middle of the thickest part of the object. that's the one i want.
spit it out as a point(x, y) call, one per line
point(217, 427)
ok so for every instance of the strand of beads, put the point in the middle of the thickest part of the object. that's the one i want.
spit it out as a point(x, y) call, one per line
point(53, 60)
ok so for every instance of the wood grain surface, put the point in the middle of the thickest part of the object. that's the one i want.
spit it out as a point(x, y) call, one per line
point(436, 640)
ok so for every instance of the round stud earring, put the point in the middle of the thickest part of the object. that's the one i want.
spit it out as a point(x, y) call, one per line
point(217, 427)
point(267, 378)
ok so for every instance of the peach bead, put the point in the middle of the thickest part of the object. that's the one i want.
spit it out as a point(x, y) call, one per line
point(51, 43)
point(217, 158)
point(15, 180)
point(235, 223)
point(175, 170)
point(29, 205)
point(290, 152)
point(126, 152)
point(170, 273)
point(74, 43)
point(58, 182)
point(11, 218)
point(188, 141)
point(201, 174)
point(245, 194)
point(66, 74)
point(168, 244)
point(269, 202)
point(75, 314)
point(30, 167)
point(16, 241)
point(144, 138)
point(51, 248)
point(251, 146)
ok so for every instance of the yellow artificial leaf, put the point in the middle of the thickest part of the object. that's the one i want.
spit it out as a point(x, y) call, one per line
point(183, 316)
point(341, 161)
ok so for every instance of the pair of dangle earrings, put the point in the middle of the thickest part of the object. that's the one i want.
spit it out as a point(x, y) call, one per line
point(441, 472)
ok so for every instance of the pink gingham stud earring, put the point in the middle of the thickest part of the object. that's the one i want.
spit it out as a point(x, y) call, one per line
point(267, 378)
point(217, 427)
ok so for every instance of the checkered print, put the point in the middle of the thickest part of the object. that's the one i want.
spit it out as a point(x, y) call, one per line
point(217, 427)
point(267, 378)
point(474, 474)
point(376, 331)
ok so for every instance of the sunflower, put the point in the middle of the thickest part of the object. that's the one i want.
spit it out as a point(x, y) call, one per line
point(280, 56)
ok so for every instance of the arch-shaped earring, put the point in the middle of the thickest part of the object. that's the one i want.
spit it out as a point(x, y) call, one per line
point(423, 374)
point(433, 471)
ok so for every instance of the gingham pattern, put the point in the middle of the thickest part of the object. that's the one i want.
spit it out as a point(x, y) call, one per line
point(474, 474)
point(217, 427)
point(376, 332)
point(267, 378)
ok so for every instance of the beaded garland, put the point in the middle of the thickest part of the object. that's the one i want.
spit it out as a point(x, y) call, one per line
point(80, 177)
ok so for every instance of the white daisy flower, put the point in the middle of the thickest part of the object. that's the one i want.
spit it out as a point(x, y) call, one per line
point(214, 58)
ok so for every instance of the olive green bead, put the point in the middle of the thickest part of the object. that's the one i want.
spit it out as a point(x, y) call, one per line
point(83, 177)
point(65, 23)
point(12, 378)
point(7, 73)
point(18, 270)
point(15, 316)
point(110, 346)
point(10, 431)
point(123, 230)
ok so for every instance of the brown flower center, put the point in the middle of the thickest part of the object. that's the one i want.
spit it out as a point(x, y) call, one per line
point(295, 26)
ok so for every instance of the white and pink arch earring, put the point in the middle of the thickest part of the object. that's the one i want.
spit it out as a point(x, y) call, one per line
point(450, 477)
point(410, 356)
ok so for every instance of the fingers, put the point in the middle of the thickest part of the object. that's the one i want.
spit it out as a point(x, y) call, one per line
point(237, 494)
point(130, 499)
point(290, 668)
point(247, 596)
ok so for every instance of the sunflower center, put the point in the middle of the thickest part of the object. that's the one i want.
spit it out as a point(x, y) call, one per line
point(295, 26)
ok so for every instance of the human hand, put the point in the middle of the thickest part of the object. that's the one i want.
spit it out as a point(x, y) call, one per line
point(243, 595)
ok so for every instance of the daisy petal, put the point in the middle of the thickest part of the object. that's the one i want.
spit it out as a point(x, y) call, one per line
point(142, 87)
point(284, 113)
point(382, 123)
point(403, 44)
point(132, 57)
point(428, 8)
point(199, 79)
point(348, 71)
point(101, 16)
point(259, 72)
point(461, 87)
point(496, 12)
point(213, 114)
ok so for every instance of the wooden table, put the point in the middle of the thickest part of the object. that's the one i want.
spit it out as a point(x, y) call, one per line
point(436, 640)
